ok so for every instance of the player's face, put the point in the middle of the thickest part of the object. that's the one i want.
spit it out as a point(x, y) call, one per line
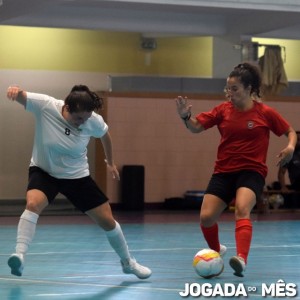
point(78, 118)
point(236, 92)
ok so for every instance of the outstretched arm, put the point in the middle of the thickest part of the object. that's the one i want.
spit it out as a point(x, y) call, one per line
point(15, 93)
point(184, 111)
point(107, 146)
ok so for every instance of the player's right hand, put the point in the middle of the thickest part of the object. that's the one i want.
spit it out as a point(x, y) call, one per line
point(13, 92)
point(183, 108)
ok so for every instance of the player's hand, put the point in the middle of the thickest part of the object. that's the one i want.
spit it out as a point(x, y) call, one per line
point(183, 108)
point(113, 169)
point(13, 92)
point(285, 156)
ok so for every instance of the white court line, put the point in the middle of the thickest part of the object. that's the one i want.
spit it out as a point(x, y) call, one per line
point(64, 294)
point(34, 281)
point(85, 294)
point(154, 249)
point(157, 249)
point(94, 285)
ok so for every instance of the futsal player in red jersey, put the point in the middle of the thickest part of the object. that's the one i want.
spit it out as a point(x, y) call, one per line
point(244, 123)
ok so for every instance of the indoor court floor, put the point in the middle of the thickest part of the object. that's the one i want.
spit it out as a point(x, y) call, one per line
point(70, 258)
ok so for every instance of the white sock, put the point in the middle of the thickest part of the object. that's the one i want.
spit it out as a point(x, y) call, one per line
point(26, 230)
point(118, 242)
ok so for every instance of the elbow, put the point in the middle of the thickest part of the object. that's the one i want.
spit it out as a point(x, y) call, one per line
point(194, 126)
point(196, 130)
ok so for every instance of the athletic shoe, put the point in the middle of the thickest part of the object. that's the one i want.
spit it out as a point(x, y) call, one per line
point(130, 266)
point(223, 250)
point(16, 263)
point(238, 264)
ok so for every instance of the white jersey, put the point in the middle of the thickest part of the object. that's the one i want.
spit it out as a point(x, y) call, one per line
point(59, 148)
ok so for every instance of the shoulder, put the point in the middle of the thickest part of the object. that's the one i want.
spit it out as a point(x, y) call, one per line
point(265, 109)
point(97, 118)
point(263, 106)
point(37, 96)
point(224, 107)
point(96, 125)
point(225, 104)
point(40, 100)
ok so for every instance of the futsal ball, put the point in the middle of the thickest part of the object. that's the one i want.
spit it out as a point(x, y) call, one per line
point(276, 200)
point(208, 263)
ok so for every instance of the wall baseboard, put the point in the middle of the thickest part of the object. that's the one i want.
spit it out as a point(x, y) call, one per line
point(60, 207)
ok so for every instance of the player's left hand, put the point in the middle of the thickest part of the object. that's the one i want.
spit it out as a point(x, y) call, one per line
point(285, 156)
point(113, 169)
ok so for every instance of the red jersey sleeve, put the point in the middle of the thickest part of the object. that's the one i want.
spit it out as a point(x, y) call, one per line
point(277, 124)
point(211, 118)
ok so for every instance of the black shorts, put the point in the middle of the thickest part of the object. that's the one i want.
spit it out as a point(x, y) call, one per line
point(83, 193)
point(225, 185)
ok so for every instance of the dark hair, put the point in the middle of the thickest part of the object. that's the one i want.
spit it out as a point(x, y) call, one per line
point(249, 75)
point(82, 99)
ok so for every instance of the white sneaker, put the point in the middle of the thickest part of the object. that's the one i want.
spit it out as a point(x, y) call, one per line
point(16, 263)
point(238, 264)
point(223, 250)
point(130, 266)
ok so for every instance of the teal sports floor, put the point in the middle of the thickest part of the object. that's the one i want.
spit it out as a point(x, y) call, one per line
point(70, 258)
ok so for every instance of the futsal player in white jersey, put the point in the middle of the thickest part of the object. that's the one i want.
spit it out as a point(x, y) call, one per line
point(59, 165)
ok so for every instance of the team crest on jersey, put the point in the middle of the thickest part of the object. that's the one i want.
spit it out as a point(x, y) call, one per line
point(250, 124)
point(67, 131)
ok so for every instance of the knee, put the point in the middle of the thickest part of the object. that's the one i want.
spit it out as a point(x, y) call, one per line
point(108, 225)
point(35, 204)
point(242, 213)
point(103, 217)
point(206, 220)
point(105, 224)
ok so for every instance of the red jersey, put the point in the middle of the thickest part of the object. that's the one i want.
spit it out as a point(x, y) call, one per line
point(244, 135)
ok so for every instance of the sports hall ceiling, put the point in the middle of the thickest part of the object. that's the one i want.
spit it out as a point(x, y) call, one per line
point(153, 18)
